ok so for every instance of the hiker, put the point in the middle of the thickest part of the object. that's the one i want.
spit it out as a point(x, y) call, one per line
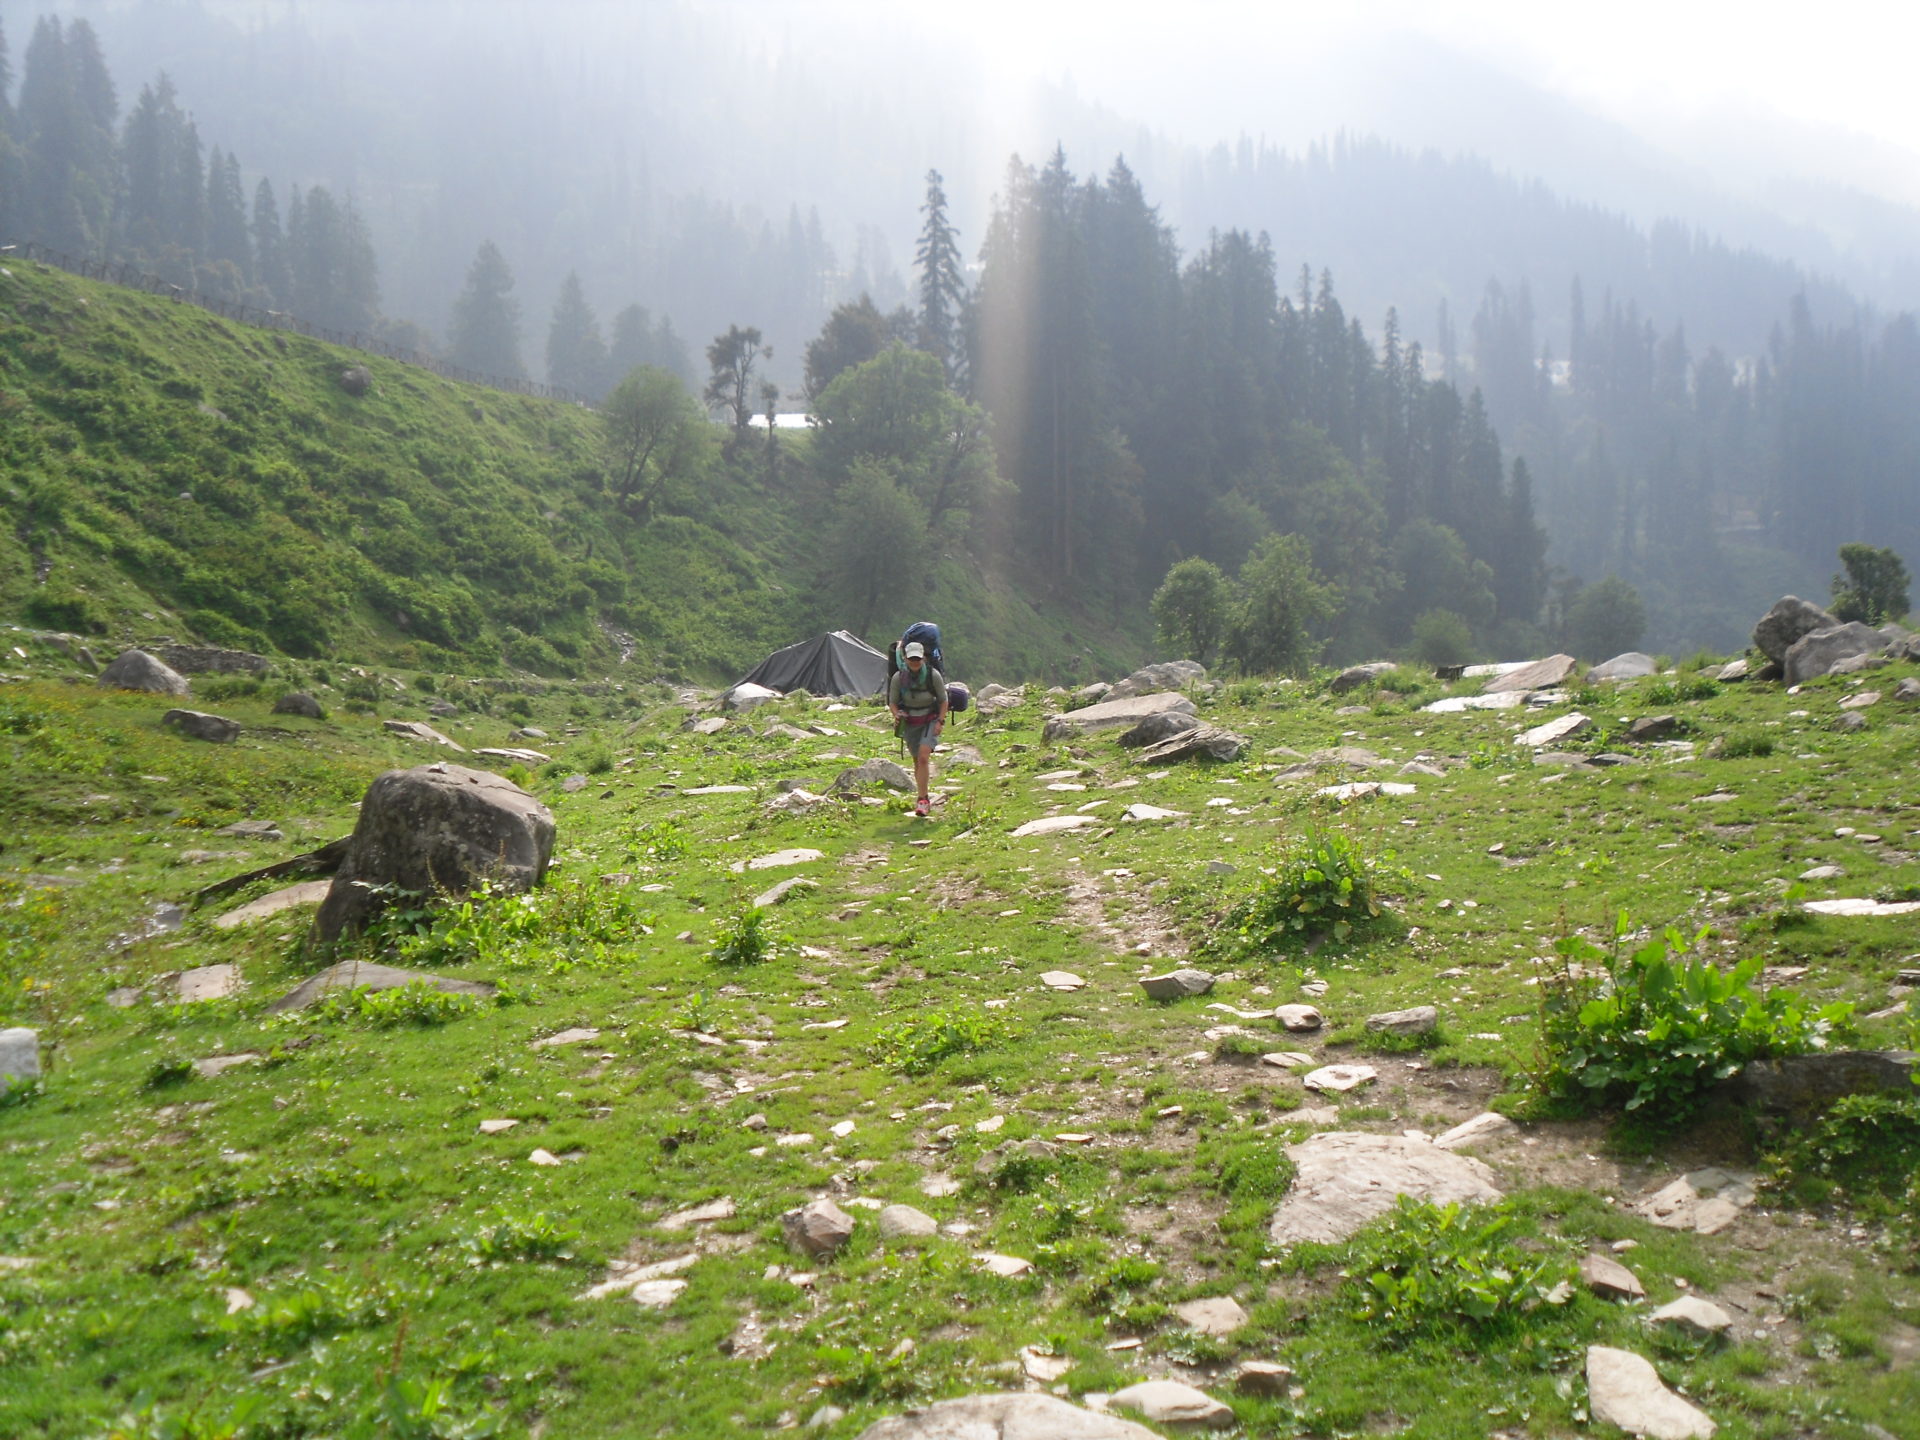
point(917, 696)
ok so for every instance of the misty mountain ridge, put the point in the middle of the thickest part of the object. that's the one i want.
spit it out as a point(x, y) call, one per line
point(669, 162)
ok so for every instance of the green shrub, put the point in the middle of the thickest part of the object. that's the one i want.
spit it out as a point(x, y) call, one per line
point(484, 926)
point(416, 1003)
point(1746, 744)
point(918, 1045)
point(1867, 1148)
point(1324, 885)
point(1651, 1029)
point(515, 1236)
point(1427, 1269)
point(63, 609)
point(750, 938)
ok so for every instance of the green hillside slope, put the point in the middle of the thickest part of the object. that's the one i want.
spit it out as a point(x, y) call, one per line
point(164, 471)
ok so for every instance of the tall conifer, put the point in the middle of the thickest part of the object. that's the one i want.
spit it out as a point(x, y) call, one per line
point(484, 333)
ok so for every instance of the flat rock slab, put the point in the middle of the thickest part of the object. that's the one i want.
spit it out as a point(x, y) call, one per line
point(874, 772)
point(780, 859)
point(1690, 1312)
point(364, 975)
point(1062, 980)
point(1217, 1315)
point(719, 790)
point(1152, 812)
point(780, 891)
point(209, 982)
point(516, 754)
point(199, 725)
point(1420, 1020)
point(280, 901)
point(1177, 984)
point(1456, 704)
point(1862, 907)
point(1555, 730)
point(1481, 1128)
point(1299, 1018)
point(1007, 1267)
point(711, 725)
point(1344, 1179)
point(1625, 1390)
point(1363, 789)
point(1054, 825)
point(1337, 1079)
point(214, 1065)
point(1208, 741)
point(1538, 675)
point(1005, 1417)
point(1706, 1201)
point(19, 1055)
point(417, 730)
point(1604, 1275)
point(575, 1036)
point(707, 1214)
point(1168, 1402)
point(1114, 714)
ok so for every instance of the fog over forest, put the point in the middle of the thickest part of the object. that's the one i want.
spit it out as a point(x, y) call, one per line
point(1682, 352)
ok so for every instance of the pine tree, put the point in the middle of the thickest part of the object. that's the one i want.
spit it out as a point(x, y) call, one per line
point(484, 333)
point(227, 215)
point(335, 278)
point(942, 287)
point(10, 173)
point(576, 355)
point(271, 271)
point(65, 121)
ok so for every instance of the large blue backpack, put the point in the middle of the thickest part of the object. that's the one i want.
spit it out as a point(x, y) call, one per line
point(928, 634)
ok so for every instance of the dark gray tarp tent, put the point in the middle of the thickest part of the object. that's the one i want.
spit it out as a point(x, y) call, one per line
point(833, 664)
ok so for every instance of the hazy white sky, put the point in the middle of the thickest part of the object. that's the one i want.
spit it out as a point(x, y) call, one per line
point(1841, 64)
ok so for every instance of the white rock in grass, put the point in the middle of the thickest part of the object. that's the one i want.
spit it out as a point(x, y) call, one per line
point(1168, 1402)
point(1340, 1078)
point(19, 1056)
point(1485, 1126)
point(1152, 812)
point(721, 1209)
point(1604, 1275)
point(1008, 1267)
point(903, 1222)
point(1005, 1417)
point(1299, 1017)
point(1626, 1391)
point(656, 1294)
point(565, 1037)
point(1219, 1315)
point(497, 1127)
point(1053, 824)
point(1692, 1313)
point(778, 860)
point(1062, 980)
point(817, 1228)
point(544, 1157)
point(1344, 1179)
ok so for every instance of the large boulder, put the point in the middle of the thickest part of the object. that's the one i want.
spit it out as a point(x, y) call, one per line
point(198, 725)
point(1354, 676)
point(299, 703)
point(1799, 1087)
point(436, 829)
point(137, 670)
point(1112, 715)
point(747, 696)
point(873, 772)
point(1155, 728)
point(1631, 666)
point(1205, 740)
point(1344, 1179)
point(350, 975)
point(1818, 651)
point(1150, 679)
point(19, 1057)
point(1005, 1417)
point(1789, 619)
point(204, 659)
point(1536, 675)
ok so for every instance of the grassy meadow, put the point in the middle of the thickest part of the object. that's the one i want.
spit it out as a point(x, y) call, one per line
point(323, 1240)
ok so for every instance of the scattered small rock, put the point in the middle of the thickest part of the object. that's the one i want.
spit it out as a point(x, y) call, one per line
point(1177, 984)
point(1690, 1312)
point(1168, 1402)
point(1606, 1276)
point(818, 1229)
point(903, 1222)
point(1420, 1020)
point(1299, 1018)
point(1218, 1315)
point(1625, 1390)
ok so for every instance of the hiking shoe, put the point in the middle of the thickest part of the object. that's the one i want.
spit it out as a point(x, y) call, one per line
point(920, 807)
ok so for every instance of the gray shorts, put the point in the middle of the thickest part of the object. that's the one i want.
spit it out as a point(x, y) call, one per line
point(920, 738)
